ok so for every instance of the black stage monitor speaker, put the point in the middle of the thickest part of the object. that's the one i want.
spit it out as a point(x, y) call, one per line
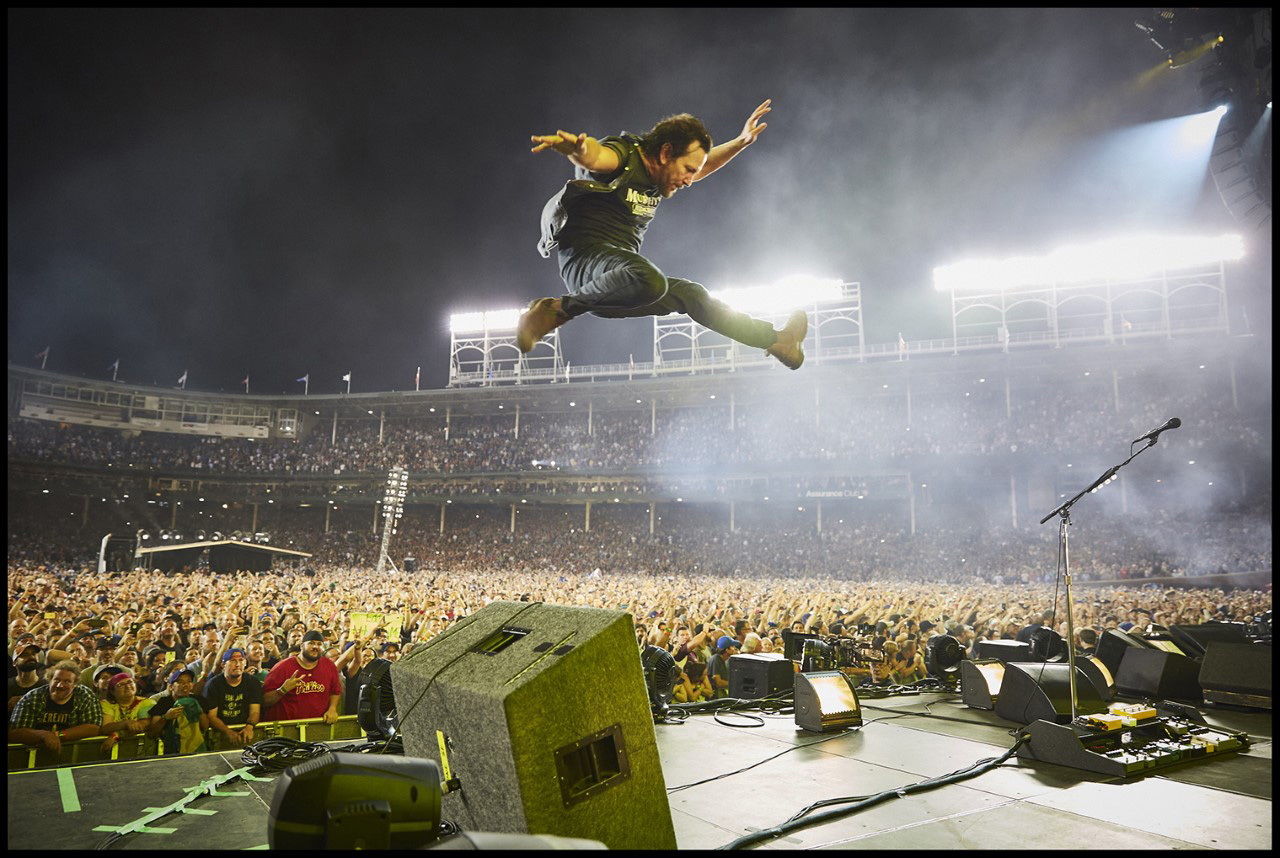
point(1042, 692)
point(1237, 673)
point(541, 713)
point(980, 682)
point(1157, 673)
point(1103, 679)
point(755, 675)
point(1195, 640)
point(1112, 646)
point(1006, 651)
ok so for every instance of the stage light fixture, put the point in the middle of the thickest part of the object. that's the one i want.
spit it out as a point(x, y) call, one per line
point(356, 801)
point(942, 657)
point(980, 682)
point(825, 701)
point(1048, 645)
point(376, 701)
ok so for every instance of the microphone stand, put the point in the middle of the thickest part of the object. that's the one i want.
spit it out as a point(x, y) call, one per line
point(1064, 512)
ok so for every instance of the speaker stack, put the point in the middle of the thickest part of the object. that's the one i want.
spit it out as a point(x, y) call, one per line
point(541, 714)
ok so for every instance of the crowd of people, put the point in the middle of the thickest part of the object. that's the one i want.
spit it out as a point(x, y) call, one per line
point(149, 652)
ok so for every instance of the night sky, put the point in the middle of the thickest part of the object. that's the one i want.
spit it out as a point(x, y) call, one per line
point(288, 192)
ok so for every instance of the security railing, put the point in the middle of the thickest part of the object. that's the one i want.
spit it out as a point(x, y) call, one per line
point(138, 747)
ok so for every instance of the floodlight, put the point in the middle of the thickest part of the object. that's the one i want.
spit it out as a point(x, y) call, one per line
point(786, 294)
point(1124, 257)
point(491, 320)
point(356, 801)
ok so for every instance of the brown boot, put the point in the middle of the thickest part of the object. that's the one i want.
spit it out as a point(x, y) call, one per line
point(543, 316)
point(787, 349)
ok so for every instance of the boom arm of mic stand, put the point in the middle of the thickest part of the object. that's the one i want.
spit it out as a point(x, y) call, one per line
point(1110, 472)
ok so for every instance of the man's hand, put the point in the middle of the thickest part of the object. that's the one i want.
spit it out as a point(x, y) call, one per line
point(246, 735)
point(563, 142)
point(51, 740)
point(751, 130)
point(330, 716)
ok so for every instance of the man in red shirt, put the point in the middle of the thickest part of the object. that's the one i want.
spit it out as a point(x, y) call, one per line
point(303, 686)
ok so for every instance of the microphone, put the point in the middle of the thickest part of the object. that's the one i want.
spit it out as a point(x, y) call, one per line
point(1173, 423)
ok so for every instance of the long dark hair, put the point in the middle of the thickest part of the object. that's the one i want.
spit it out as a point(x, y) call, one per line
point(680, 131)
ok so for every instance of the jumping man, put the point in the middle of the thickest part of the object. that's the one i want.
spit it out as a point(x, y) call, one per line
point(596, 224)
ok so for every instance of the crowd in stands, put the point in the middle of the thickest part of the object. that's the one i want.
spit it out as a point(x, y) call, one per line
point(968, 422)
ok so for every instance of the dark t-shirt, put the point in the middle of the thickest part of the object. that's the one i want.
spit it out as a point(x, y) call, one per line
point(599, 214)
point(233, 703)
point(719, 666)
point(16, 690)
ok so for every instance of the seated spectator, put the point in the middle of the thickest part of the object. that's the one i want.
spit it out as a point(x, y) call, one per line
point(907, 665)
point(61, 711)
point(695, 685)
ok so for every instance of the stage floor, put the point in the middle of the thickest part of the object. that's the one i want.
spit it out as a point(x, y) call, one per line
point(1219, 802)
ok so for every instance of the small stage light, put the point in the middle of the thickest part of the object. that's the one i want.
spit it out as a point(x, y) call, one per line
point(943, 655)
point(825, 702)
point(356, 801)
point(980, 682)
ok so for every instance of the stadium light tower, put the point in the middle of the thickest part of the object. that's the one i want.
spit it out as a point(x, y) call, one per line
point(484, 350)
point(392, 512)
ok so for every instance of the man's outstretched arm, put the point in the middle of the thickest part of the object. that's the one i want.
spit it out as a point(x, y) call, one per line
point(584, 151)
point(722, 154)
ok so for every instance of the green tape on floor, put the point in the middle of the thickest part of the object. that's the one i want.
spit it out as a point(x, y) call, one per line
point(67, 789)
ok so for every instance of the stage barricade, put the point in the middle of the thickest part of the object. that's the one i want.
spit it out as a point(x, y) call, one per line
point(139, 747)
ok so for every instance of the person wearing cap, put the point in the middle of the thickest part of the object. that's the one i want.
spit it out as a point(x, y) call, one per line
point(391, 651)
point(62, 711)
point(102, 676)
point(235, 697)
point(27, 660)
point(124, 713)
point(718, 666)
point(304, 686)
point(179, 718)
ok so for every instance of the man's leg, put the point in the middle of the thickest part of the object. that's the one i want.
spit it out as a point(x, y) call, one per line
point(613, 283)
point(600, 280)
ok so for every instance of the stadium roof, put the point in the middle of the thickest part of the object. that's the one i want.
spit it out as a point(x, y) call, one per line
point(248, 546)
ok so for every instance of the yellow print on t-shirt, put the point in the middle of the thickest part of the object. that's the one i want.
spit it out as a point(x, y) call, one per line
point(308, 686)
point(642, 205)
